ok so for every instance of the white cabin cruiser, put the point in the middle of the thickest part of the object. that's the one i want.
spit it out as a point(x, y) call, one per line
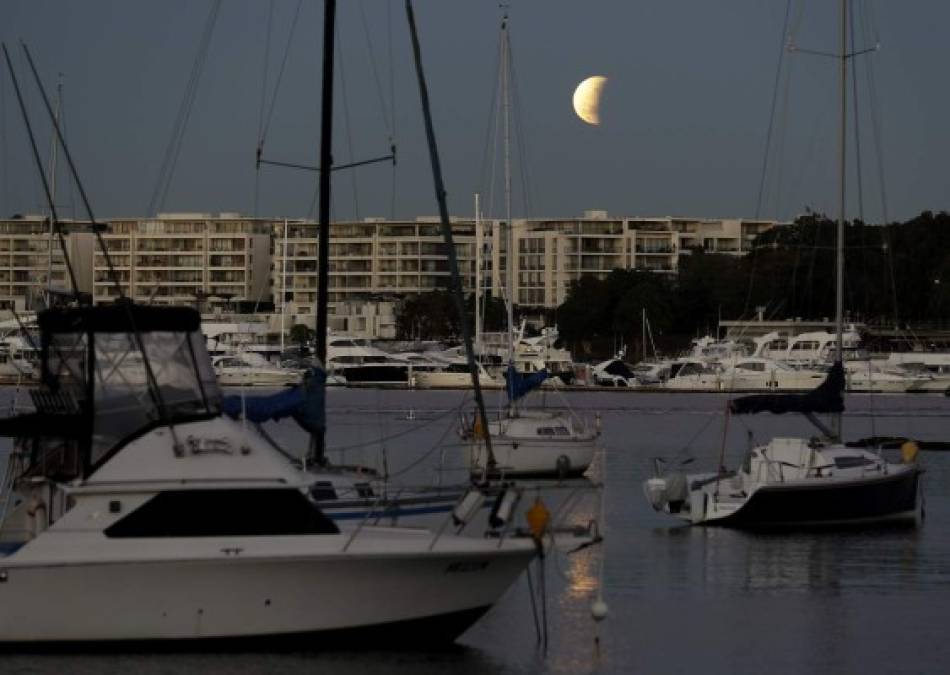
point(143, 515)
point(359, 362)
point(252, 370)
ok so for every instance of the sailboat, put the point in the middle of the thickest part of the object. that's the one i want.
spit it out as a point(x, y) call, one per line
point(525, 441)
point(797, 481)
point(347, 493)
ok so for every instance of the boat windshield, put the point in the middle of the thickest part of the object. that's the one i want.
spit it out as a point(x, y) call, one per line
point(99, 363)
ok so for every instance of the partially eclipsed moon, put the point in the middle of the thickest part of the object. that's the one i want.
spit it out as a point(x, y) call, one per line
point(587, 98)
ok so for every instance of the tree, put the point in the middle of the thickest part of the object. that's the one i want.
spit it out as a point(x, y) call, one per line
point(301, 334)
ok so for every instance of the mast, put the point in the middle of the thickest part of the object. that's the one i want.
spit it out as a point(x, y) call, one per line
point(454, 277)
point(643, 328)
point(52, 189)
point(839, 234)
point(510, 238)
point(283, 292)
point(478, 276)
point(318, 440)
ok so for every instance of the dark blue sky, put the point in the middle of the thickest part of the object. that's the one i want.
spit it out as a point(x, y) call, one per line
point(684, 114)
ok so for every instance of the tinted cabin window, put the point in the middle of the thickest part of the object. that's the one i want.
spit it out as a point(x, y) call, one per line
point(224, 513)
point(852, 462)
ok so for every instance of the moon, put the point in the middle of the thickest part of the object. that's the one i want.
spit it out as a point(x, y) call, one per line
point(587, 98)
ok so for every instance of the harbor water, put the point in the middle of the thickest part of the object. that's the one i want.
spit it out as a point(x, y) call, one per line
point(681, 599)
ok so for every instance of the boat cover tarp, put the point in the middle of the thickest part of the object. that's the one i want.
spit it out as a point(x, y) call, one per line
point(618, 368)
point(306, 403)
point(519, 384)
point(46, 425)
point(122, 317)
point(827, 397)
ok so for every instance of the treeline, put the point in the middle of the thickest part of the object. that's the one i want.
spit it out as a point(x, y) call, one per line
point(897, 274)
point(432, 316)
point(894, 275)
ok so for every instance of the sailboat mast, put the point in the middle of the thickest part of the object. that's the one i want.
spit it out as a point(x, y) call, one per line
point(510, 238)
point(318, 440)
point(478, 275)
point(283, 292)
point(839, 235)
point(52, 190)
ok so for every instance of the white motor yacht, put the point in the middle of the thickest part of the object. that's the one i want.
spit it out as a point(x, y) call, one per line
point(756, 373)
point(358, 362)
point(452, 374)
point(143, 516)
point(251, 370)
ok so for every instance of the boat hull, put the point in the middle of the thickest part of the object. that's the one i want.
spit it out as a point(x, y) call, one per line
point(371, 374)
point(292, 598)
point(535, 458)
point(881, 499)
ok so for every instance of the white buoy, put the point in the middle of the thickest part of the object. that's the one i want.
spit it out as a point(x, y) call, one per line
point(598, 609)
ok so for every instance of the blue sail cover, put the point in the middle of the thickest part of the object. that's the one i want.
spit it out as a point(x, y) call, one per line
point(519, 384)
point(306, 403)
point(827, 397)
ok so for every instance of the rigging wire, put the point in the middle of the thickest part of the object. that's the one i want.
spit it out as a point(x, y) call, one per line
point(392, 102)
point(388, 113)
point(39, 167)
point(489, 152)
point(520, 137)
point(280, 77)
point(173, 149)
point(870, 27)
point(4, 149)
point(768, 140)
point(347, 123)
point(768, 133)
point(260, 116)
point(857, 163)
point(151, 382)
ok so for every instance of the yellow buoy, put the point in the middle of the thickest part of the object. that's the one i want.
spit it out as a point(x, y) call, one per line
point(909, 450)
point(478, 429)
point(538, 517)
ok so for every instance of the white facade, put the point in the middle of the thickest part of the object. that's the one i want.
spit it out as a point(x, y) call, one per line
point(217, 261)
point(186, 259)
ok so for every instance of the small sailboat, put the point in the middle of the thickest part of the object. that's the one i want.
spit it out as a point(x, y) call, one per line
point(525, 441)
point(798, 481)
point(348, 495)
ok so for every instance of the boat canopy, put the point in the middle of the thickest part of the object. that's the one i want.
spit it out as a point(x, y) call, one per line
point(305, 403)
point(519, 384)
point(827, 397)
point(113, 372)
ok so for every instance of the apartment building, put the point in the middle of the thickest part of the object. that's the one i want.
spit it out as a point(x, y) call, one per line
point(186, 259)
point(552, 253)
point(32, 260)
point(227, 262)
point(368, 260)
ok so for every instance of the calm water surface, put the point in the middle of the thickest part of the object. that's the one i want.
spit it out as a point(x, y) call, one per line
point(680, 598)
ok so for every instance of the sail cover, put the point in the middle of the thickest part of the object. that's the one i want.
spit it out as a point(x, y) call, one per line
point(519, 384)
point(305, 403)
point(827, 397)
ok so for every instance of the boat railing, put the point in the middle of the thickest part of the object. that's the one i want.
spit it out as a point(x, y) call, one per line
point(370, 512)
